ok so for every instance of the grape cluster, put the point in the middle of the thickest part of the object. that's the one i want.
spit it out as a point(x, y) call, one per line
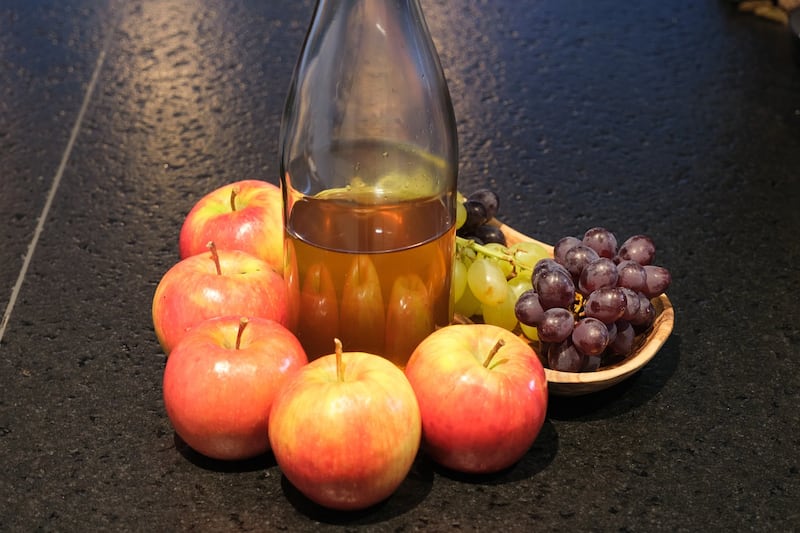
point(591, 299)
point(488, 275)
point(585, 303)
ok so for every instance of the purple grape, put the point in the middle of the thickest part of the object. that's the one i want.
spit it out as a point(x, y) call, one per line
point(606, 305)
point(528, 308)
point(649, 317)
point(658, 280)
point(488, 233)
point(632, 275)
point(576, 259)
point(612, 332)
point(632, 302)
point(639, 248)
point(623, 342)
point(598, 274)
point(590, 336)
point(646, 313)
point(564, 357)
point(601, 241)
point(563, 246)
point(476, 216)
point(555, 289)
point(547, 265)
point(556, 325)
point(489, 199)
point(591, 363)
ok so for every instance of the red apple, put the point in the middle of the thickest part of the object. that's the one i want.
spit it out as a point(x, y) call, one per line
point(482, 393)
point(221, 379)
point(319, 322)
point(246, 215)
point(216, 283)
point(362, 315)
point(345, 429)
point(409, 318)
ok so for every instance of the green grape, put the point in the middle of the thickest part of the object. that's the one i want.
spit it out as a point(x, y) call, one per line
point(501, 315)
point(520, 284)
point(498, 248)
point(461, 214)
point(524, 277)
point(529, 331)
point(487, 282)
point(468, 305)
point(527, 253)
point(459, 279)
point(505, 265)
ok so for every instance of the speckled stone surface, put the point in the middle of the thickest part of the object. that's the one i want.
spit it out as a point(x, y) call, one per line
point(679, 119)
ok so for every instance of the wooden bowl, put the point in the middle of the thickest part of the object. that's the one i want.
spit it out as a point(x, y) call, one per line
point(646, 344)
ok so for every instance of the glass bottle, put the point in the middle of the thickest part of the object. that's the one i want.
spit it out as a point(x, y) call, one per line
point(368, 162)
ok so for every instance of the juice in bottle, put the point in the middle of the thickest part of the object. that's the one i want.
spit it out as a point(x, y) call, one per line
point(374, 274)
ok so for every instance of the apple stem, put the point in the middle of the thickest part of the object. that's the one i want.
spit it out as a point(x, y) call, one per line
point(215, 256)
point(242, 324)
point(496, 348)
point(339, 363)
point(234, 192)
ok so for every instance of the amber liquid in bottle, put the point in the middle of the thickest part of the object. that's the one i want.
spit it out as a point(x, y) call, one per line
point(374, 275)
point(368, 168)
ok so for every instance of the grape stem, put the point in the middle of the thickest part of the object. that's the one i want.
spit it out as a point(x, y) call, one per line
point(462, 242)
point(579, 306)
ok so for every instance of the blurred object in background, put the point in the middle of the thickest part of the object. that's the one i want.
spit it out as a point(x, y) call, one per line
point(777, 11)
point(794, 27)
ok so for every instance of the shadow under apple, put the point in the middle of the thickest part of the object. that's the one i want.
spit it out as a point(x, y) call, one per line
point(260, 462)
point(411, 492)
point(541, 453)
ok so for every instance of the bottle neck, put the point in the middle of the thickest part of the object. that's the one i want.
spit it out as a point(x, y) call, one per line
point(384, 4)
point(368, 76)
point(375, 15)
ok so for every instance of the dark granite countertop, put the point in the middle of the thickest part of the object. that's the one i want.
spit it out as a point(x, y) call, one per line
point(678, 119)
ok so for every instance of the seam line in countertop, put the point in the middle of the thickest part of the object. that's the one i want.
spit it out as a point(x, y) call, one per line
point(53, 188)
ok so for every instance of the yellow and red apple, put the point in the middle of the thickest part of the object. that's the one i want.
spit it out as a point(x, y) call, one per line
point(345, 429)
point(246, 215)
point(220, 382)
point(482, 394)
point(216, 283)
